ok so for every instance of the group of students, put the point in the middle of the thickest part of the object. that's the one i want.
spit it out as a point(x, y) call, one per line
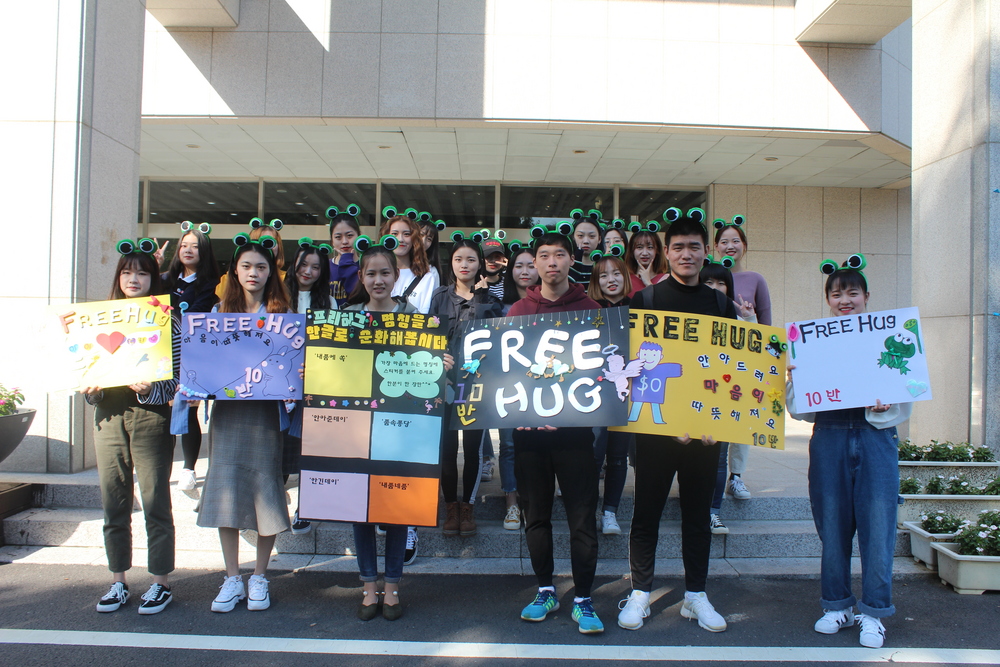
point(584, 265)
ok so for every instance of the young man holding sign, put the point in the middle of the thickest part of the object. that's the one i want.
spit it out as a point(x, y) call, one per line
point(658, 458)
point(545, 453)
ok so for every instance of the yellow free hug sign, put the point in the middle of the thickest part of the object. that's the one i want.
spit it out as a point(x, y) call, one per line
point(700, 375)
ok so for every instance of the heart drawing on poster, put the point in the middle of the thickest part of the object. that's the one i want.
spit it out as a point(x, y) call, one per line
point(916, 388)
point(112, 341)
point(727, 377)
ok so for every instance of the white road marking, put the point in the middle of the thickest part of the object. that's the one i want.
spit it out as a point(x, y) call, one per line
point(930, 656)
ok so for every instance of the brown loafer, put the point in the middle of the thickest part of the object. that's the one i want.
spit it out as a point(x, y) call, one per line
point(392, 612)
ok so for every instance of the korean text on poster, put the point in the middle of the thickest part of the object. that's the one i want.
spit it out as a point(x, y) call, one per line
point(700, 375)
point(371, 420)
point(852, 361)
point(238, 356)
point(554, 369)
point(112, 343)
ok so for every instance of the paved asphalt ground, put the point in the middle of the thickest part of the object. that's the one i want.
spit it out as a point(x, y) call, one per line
point(473, 618)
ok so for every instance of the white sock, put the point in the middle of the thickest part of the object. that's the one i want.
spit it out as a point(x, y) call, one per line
point(688, 595)
point(641, 596)
point(609, 513)
point(551, 589)
point(579, 600)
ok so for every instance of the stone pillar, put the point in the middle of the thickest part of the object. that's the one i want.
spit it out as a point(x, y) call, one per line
point(70, 127)
point(956, 211)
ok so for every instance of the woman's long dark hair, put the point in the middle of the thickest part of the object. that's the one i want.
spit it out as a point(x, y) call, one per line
point(510, 293)
point(275, 294)
point(137, 261)
point(207, 271)
point(319, 294)
point(476, 248)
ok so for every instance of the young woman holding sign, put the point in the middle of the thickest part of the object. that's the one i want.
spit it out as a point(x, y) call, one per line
point(244, 489)
point(466, 298)
point(750, 288)
point(854, 486)
point(132, 434)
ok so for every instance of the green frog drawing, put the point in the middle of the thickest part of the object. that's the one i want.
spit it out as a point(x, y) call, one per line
point(898, 349)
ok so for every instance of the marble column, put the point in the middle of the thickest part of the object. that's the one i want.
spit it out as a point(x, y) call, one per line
point(70, 127)
point(956, 211)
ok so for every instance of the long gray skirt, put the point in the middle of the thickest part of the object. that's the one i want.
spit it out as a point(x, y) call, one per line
point(244, 488)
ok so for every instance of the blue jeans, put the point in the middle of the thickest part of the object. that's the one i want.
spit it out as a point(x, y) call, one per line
point(854, 487)
point(614, 446)
point(720, 478)
point(395, 548)
point(637, 408)
point(508, 483)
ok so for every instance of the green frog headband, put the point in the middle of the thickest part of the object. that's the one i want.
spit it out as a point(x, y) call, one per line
point(565, 228)
point(738, 221)
point(593, 216)
point(323, 248)
point(617, 223)
point(514, 247)
point(364, 243)
point(275, 224)
point(616, 250)
point(352, 210)
point(268, 243)
point(391, 211)
point(475, 237)
point(673, 214)
point(144, 246)
point(188, 226)
point(652, 227)
point(856, 262)
point(726, 261)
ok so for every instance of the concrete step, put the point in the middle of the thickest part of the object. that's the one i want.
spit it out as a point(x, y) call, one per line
point(83, 527)
point(490, 505)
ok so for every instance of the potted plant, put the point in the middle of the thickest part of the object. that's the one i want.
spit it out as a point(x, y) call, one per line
point(971, 564)
point(961, 478)
point(14, 421)
point(945, 459)
point(933, 527)
point(958, 495)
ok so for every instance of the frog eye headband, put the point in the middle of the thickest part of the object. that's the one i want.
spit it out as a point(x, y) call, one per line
point(617, 223)
point(617, 250)
point(144, 246)
point(565, 228)
point(726, 261)
point(673, 214)
point(188, 226)
point(322, 248)
point(268, 243)
point(514, 247)
point(856, 262)
point(352, 210)
point(391, 211)
point(275, 224)
point(737, 221)
point(652, 227)
point(475, 237)
point(364, 243)
point(593, 215)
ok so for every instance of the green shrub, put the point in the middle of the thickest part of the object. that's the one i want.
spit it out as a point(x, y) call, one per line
point(909, 485)
point(940, 522)
point(982, 536)
point(909, 451)
point(936, 485)
point(961, 486)
point(946, 452)
point(993, 488)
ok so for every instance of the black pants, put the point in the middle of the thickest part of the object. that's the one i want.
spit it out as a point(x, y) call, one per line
point(472, 448)
point(191, 441)
point(540, 457)
point(657, 460)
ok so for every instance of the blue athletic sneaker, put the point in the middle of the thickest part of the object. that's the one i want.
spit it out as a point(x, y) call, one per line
point(586, 617)
point(544, 602)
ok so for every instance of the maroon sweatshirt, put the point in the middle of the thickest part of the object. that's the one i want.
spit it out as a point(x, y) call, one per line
point(534, 303)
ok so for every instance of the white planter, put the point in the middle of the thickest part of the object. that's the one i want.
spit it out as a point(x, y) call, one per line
point(969, 575)
point(967, 507)
point(920, 543)
point(924, 471)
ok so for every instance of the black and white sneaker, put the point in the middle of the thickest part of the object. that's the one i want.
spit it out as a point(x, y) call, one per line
point(116, 596)
point(718, 528)
point(155, 599)
point(299, 526)
point(412, 539)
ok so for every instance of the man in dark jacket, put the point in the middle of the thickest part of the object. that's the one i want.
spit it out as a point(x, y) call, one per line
point(542, 454)
point(658, 458)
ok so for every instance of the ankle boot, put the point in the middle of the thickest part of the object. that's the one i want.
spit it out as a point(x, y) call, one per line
point(467, 523)
point(451, 522)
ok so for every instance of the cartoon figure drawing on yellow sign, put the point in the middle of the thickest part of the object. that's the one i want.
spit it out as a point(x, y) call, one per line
point(651, 384)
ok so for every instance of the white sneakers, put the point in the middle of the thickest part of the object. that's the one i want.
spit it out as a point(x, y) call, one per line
point(231, 592)
point(512, 520)
point(634, 608)
point(609, 524)
point(872, 630)
point(258, 599)
point(737, 489)
point(486, 472)
point(833, 621)
point(187, 481)
point(697, 606)
point(718, 528)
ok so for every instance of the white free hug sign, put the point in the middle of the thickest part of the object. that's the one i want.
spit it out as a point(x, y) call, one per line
point(852, 361)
